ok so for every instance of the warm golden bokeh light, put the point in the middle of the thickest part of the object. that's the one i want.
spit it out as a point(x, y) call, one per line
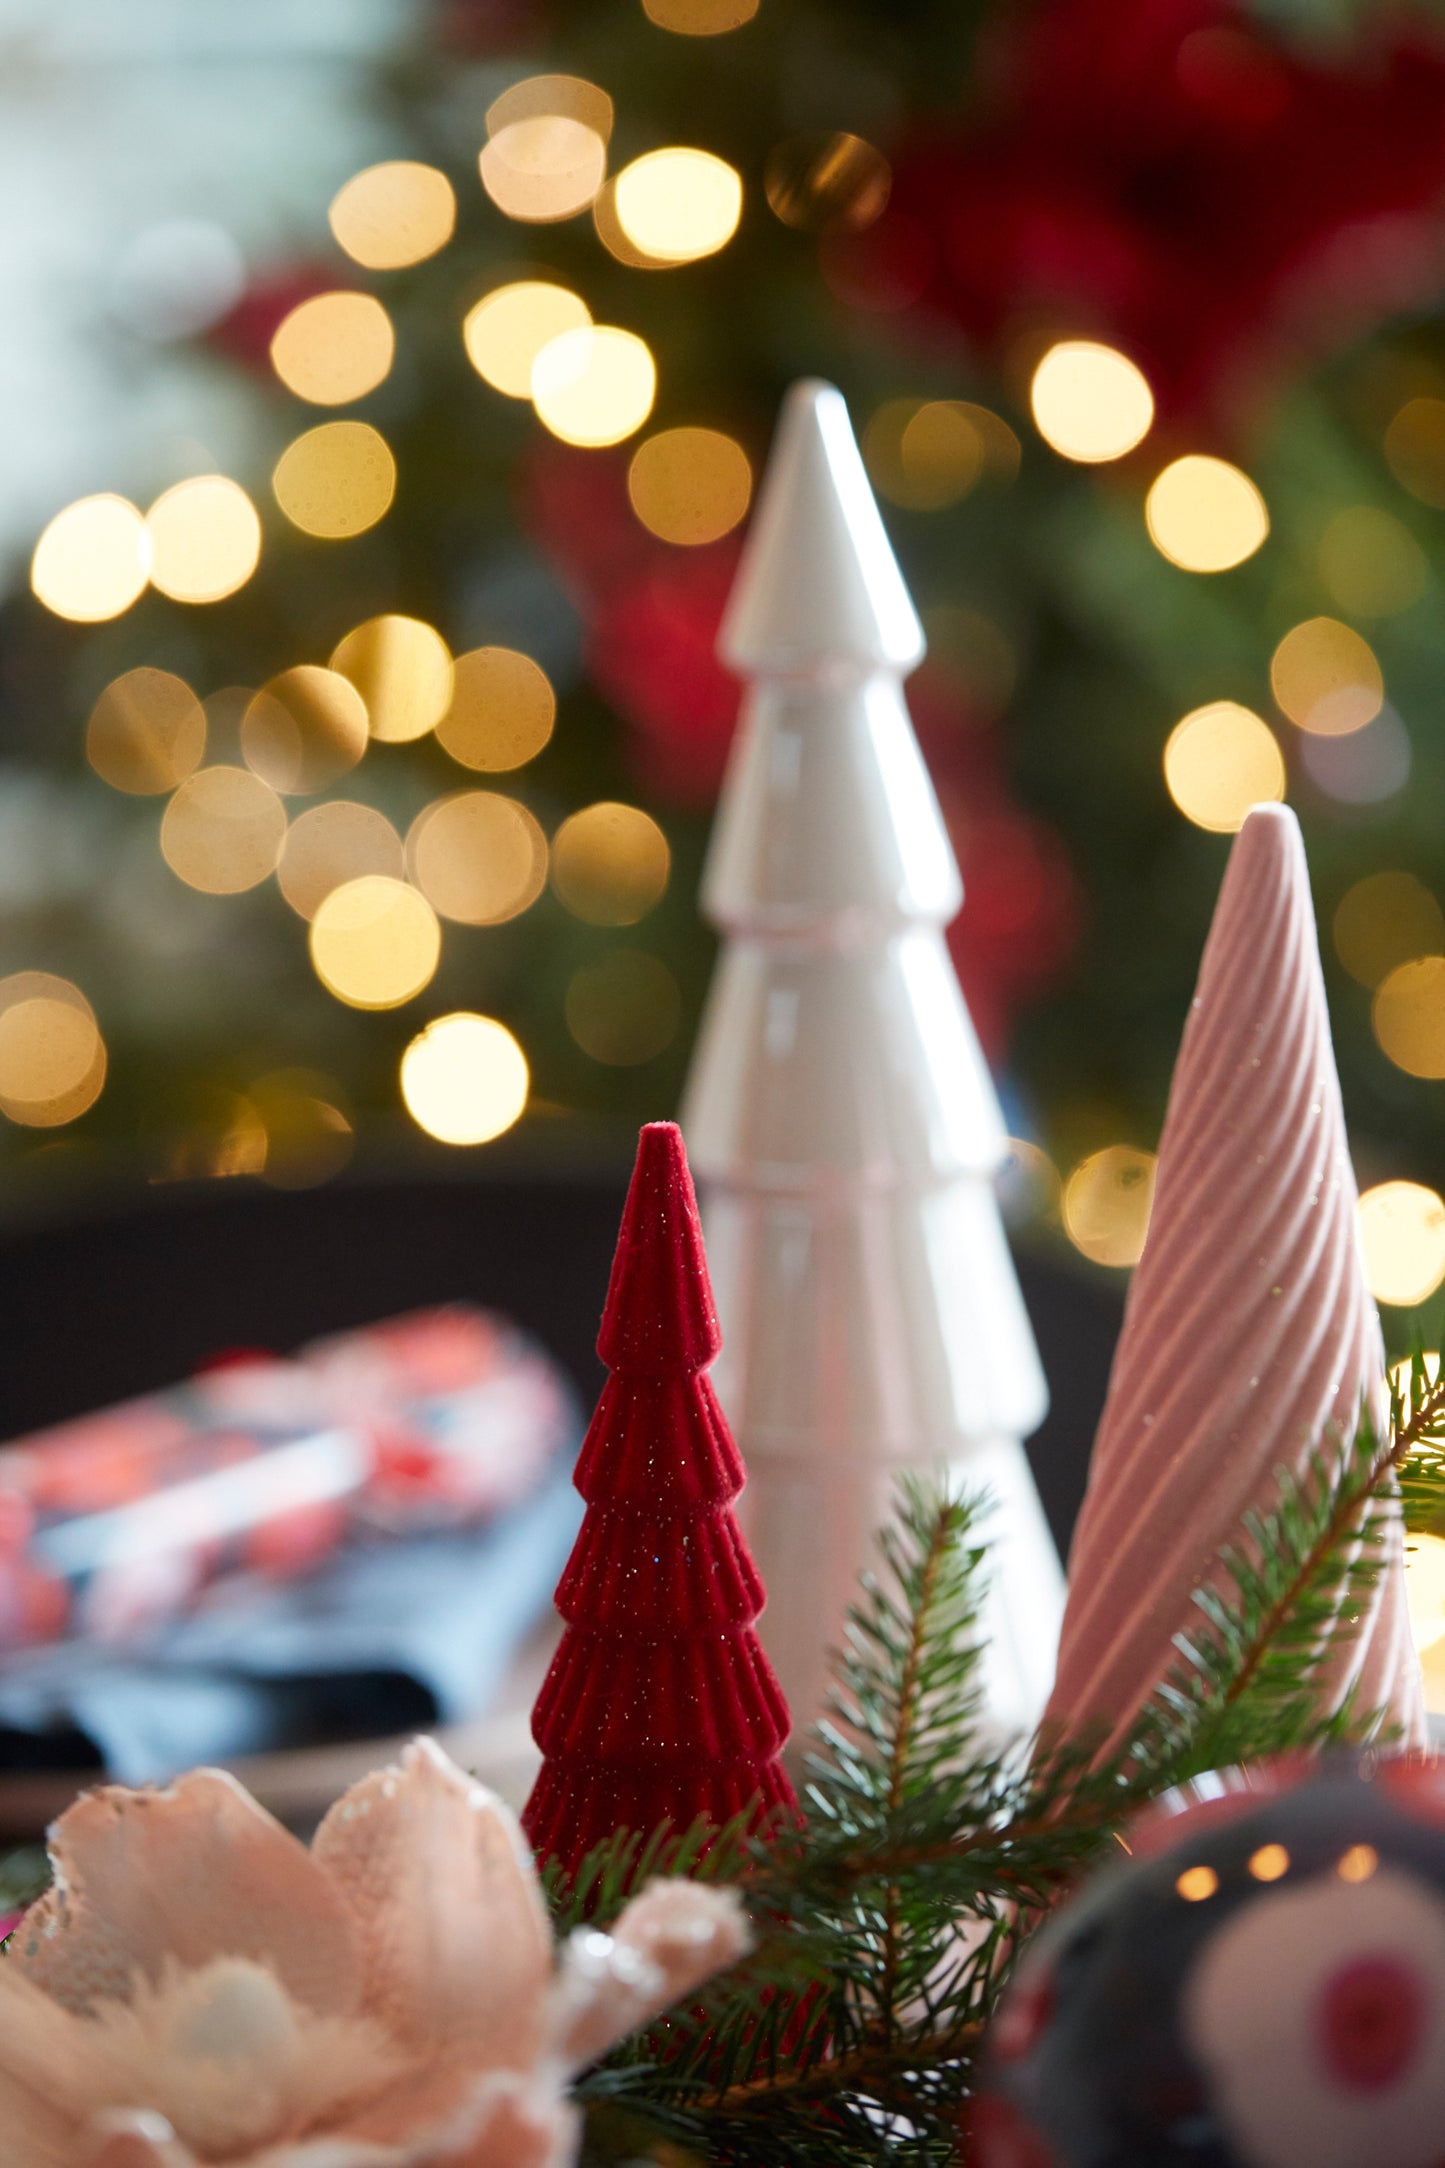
point(1326, 678)
point(464, 1078)
point(334, 348)
point(1402, 1234)
point(1425, 1588)
point(544, 169)
point(1408, 1014)
point(1196, 1884)
point(690, 486)
point(1219, 761)
point(1385, 920)
point(612, 237)
point(332, 843)
point(205, 539)
point(700, 18)
point(375, 942)
point(478, 857)
point(610, 864)
point(624, 1008)
point(1204, 514)
point(336, 480)
point(402, 668)
point(678, 205)
point(222, 831)
point(502, 710)
point(1090, 402)
point(1371, 563)
point(93, 560)
point(594, 386)
point(306, 1136)
point(1269, 1863)
point(1357, 1863)
point(927, 454)
point(303, 729)
point(1107, 1202)
point(394, 214)
point(823, 183)
point(52, 1056)
point(146, 733)
point(545, 97)
point(509, 327)
point(1415, 448)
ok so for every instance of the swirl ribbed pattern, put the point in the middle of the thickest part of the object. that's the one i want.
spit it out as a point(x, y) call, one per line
point(1249, 1326)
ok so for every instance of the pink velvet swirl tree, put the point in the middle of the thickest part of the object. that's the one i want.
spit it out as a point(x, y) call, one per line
point(1249, 1328)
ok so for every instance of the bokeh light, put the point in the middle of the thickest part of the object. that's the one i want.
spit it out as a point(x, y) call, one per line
point(624, 1008)
point(52, 1056)
point(147, 732)
point(545, 168)
point(690, 486)
point(1371, 563)
point(375, 942)
point(595, 385)
point(336, 480)
point(307, 1135)
point(509, 327)
point(222, 831)
point(546, 97)
point(1326, 678)
point(827, 183)
point(502, 710)
point(334, 348)
point(93, 560)
point(926, 454)
point(1408, 1014)
point(1402, 1234)
point(464, 1078)
point(678, 205)
point(1090, 402)
point(402, 668)
point(303, 729)
point(205, 539)
point(1219, 761)
point(1028, 1186)
point(612, 237)
point(394, 214)
point(1107, 1202)
point(1425, 1588)
point(478, 857)
point(1385, 920)
point(1204, 514)
point(1365, 766)
point(610, 864)
point(1415, 448)
point(700, 18)
point(333, 843)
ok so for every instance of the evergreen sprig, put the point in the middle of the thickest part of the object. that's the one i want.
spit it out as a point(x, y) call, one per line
point(889, 1919)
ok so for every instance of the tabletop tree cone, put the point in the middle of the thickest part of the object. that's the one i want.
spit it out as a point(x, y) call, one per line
point(660, 1705)
point(839, 1113)
point(1250, 1334)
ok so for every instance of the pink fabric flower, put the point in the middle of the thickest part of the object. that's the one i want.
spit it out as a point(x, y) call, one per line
point(198, 1987)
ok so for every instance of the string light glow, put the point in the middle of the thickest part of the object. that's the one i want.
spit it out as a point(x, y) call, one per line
point(394, 214)
point(624, 1008)
point(52, 1056)
point(594, 386)
point(205, 539)
point(1385, 920)
point(502, 710)
point(306, 1138)
point(1326, 678)
point(93, 560)
point(1402, 1234)
point(1415, 448)
point(927, 454)
point(824, 183)
point(690, 486)
point(610, 864)
point(700, 18)
point(509, 327)
point(545, 97)
point(478, 857)
point(147, 732)
point(678, 205)
point(334, 348)
point(1219, 761)
point(1107, 1202)
point(1425, 1588)
point(336, 480)
point(1205, 515)
point(1408, 1014)
point(402, 668)
point(544, 169)
point(222, 831)
point(1371, 563)
point(1090, 403)
point(464, 1078)
point(375, 942)
point(303, 729)
point(333, 843)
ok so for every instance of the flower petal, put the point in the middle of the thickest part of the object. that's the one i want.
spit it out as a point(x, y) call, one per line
point(191, 1873)
point(455, 1945)
point(665, 1943)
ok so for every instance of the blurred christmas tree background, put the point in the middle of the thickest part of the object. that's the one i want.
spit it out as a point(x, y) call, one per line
point(425, 396)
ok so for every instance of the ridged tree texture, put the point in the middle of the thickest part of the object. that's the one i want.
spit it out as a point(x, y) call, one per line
point(660, 1704)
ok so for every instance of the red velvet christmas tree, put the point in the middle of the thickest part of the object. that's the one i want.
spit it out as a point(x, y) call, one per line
point(660, 1704)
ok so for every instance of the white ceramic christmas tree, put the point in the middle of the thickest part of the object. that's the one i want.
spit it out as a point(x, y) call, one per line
point(839, 1114)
